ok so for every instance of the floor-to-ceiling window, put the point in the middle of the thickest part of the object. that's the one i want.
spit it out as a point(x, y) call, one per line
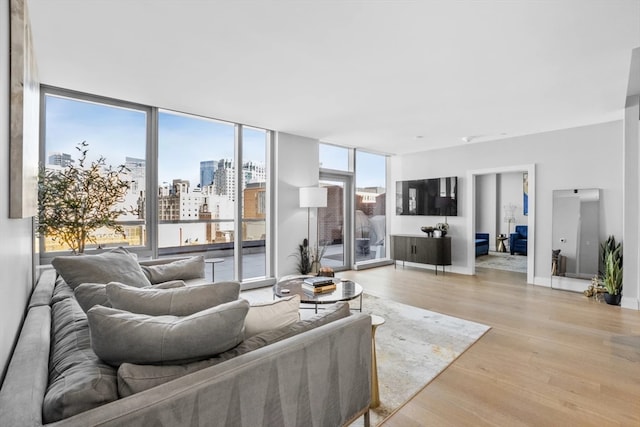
point(196, 193)
point(254, 202)
point(197, 185)
point(353, 225)
point(116, 131)
point(370, 206)
point(334, 220)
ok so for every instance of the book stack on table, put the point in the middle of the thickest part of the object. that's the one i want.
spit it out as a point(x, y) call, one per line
point(318, 285)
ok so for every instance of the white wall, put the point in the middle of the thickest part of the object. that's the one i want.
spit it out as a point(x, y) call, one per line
point(631, 160)
point(493, 192)
point(510, 193)
point(15, 234)
point(296, 165)
point(487, 207)
point(584, 157)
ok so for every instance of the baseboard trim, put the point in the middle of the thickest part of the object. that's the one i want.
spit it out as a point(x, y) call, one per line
point(373, 264)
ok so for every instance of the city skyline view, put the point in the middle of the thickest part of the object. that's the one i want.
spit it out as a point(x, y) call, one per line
point(118, 133)
point(184, 141)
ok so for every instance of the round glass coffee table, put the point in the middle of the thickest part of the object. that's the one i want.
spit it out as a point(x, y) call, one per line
point(344, 291)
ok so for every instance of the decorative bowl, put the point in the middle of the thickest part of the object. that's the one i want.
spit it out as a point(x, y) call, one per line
point(428, 230)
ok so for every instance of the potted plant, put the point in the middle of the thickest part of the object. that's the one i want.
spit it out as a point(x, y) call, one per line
point(612, 277)
point(612, 270)
point(443, 227)
point(304, 257)
point(78, 199)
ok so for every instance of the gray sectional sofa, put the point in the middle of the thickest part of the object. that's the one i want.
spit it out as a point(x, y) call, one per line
point(310, 373)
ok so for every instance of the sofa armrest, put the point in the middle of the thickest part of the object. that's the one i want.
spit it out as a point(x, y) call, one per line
point(482, 236)
point(26, 380)
point(321, 377)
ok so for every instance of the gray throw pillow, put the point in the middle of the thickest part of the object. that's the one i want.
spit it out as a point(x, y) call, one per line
point(176, 302)
point(134, 378)
point(119, 336)
point(90, 294)
point(170, 284)
point(183, 269)
point(117, 265)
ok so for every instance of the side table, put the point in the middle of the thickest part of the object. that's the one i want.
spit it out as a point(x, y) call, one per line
point(375, 392)
point(213, 262)
point(501, 247)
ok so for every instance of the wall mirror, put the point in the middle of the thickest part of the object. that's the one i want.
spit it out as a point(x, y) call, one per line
point(575, 235)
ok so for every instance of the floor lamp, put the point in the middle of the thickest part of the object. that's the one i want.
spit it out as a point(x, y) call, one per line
point(313, 197)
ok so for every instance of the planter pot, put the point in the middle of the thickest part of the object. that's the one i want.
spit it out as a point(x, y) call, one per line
point(612, 299)
point(362, 245)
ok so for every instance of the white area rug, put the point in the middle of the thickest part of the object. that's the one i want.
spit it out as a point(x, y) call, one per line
point(413, 346)
point(503, 261)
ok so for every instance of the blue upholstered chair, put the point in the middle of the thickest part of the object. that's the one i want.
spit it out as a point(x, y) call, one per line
point(482, 244)
point(518, 240)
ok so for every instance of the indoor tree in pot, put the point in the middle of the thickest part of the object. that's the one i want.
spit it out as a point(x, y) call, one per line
point(612, 271)
point(78, 199)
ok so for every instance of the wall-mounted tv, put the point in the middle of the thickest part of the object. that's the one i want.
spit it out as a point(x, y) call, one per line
point(436, 197)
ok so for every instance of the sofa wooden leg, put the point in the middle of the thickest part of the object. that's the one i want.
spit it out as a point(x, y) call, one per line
point(367, 419)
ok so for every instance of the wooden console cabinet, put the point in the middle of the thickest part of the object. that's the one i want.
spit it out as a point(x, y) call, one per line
point(421, 249)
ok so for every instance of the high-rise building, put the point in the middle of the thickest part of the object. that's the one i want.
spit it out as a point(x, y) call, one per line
point(253, 172)
point(207, 172)
point(225, 177)
point(60, 159)
point(136, 195)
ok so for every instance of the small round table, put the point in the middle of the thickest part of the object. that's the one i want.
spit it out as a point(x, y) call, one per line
point(213, 262)
point(375, 392)
point(344, 291)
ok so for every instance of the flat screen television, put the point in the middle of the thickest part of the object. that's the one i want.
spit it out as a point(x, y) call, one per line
point(429, 197)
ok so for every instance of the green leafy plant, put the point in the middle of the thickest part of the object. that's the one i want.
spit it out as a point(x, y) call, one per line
point(79, 199)
point(612, 277)
point(304, 257)
point(608, 247)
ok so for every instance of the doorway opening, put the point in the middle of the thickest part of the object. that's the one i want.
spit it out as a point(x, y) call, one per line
point(502, 219)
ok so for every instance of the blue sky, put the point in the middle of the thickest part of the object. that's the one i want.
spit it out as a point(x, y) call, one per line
point(184, 141)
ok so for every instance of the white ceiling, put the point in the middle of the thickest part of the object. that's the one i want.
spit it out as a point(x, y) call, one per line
point(374, 74)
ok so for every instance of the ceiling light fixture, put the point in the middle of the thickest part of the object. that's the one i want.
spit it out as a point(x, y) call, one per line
point(470, 138)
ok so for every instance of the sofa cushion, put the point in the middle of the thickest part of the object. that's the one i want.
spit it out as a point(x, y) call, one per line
point(134, 378)
point(117, 265)
point(70, 343)
point(184, 269)
point(176, 302)
point(60, 291)
point(90, 294)
point(80, 388)
point(78, 379)
point(119, 336)
point(271, 315)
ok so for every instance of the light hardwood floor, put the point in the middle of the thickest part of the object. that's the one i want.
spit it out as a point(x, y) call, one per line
point(552, 358)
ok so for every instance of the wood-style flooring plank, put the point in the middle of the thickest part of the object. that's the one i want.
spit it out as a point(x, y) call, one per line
point(552, 358)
